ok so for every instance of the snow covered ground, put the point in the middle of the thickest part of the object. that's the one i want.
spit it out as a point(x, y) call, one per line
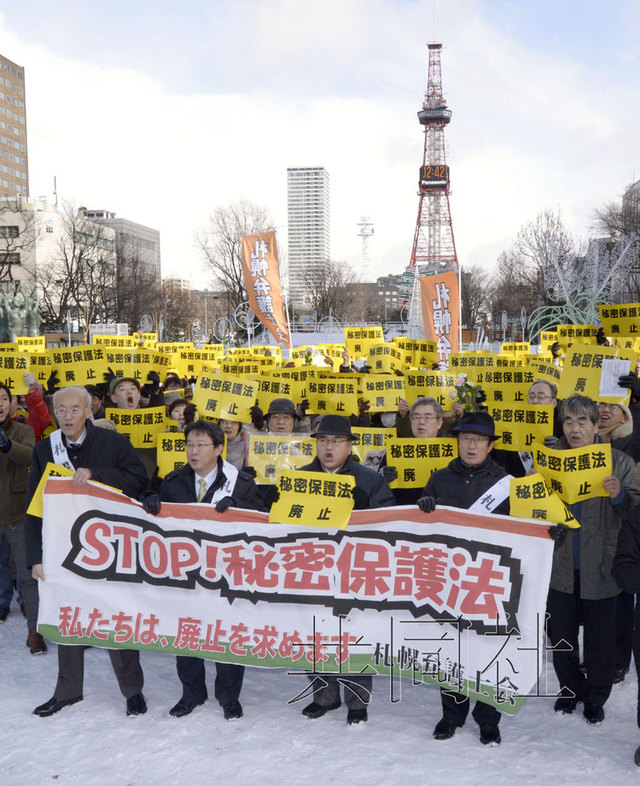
point(93, 742)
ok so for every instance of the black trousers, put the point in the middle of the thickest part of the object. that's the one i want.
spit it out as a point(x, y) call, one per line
point(566, 611)
point(227, 686)
point(125, 663)
point(625, 608)
point(455, 707)
point(357, 689)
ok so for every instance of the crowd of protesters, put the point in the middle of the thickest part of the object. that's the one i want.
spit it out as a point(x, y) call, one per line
point(596, 567)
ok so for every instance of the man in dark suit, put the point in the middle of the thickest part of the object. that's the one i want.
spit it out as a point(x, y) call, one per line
point(333, 454)
point(206, 478)
point(94, 454)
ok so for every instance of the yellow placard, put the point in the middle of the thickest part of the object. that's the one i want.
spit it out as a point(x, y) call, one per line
point(80, 365)
point(137, 363)
point(547, 339)
point(417, 354)
point(532, 498)
point(583, 369)
point(575, 474)
point(171, 452)
point(333, 394)
point(140, 426)
point(382, 391)
point(520, 426)
point(382, 358)
point(359, 340)
point(31, 343)
point(271, 454)
point(416, 459)
point(576, 334)
point(370, 444)
point(52, 470)
point(621, 320)
point(298, 378)
point(516, 348)
point(270, 387)
point(436, 384)
point(314, 499)
point(462, 361)
point(189, 362)
point(125, 342)
point(224, 396)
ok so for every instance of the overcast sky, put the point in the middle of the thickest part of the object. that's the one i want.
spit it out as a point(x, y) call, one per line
point(162, 111)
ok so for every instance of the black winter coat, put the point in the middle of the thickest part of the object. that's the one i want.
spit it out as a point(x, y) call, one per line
point(379, 493)
point(459, 486)
point(179, 486)
point(109, 456)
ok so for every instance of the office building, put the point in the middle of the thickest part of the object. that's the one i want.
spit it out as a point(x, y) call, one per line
point(14, 161)
point(308, 229)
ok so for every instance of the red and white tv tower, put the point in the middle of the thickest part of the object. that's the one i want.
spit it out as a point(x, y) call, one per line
point(434, 248)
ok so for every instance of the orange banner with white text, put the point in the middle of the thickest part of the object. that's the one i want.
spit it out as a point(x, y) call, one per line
point(440, 300)
point(261, 274)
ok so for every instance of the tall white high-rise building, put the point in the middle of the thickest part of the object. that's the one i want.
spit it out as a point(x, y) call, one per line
point(308, 221)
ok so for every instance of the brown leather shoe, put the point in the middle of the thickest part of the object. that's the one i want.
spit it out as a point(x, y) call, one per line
point(37, 645)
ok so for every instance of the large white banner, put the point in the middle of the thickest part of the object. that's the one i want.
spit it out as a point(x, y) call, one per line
point(451, 598)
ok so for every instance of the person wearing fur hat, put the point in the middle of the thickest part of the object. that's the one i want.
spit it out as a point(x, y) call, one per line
point(464, 483)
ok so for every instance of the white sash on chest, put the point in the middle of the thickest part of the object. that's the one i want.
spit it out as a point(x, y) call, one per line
point(489, 500)
point(59, 451)
point(226, 490)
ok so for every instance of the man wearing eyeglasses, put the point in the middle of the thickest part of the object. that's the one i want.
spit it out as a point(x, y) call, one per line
point(472, 481)
point(206, 478)
point(93, 454)
point(426, 418)
point(333, 454)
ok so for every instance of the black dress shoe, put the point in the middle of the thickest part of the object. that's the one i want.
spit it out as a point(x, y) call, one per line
point(445, 729)
point(565, 706)
point(54, 705)
point(315, 710)
point(636, 757)
point(233, 711)
point(593, 714)
point(136, 705)
point(357, 716)
point(490, 734)
point(184, 707)
point(619, 675)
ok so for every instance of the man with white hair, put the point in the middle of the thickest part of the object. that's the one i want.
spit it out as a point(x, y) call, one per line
point(93, 454)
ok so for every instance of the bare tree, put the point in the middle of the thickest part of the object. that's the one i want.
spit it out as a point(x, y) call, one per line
point(80, 278)
point(474, 294)
point(138, 290)
point(178, 308)
point(547, 251)
point(219, 242)
point(330, 290)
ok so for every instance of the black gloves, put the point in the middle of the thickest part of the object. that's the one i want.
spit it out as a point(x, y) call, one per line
point(389, 474)
point(558, 532)
point(154, 380)
point(52, 383)
point(151, 502)
point(551, 442)
point(249, 470)
point(224, 503)
point(257, 418)
point(270, 495)
point(427, 504)
point(109, 375)
point(632, 382)
point(5, 442)
point(189, 414)
point(360, 498)
point(304, 406)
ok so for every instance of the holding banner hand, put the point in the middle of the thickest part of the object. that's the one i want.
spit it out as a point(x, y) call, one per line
point(81, 476)
point(558, 532)
point(224, 503)
point(632, 382)
point(360, 498)
point(151, 502)
point(427, 504)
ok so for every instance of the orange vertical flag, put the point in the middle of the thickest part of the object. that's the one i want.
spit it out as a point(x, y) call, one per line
point(440, 299)
point(261, 274)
